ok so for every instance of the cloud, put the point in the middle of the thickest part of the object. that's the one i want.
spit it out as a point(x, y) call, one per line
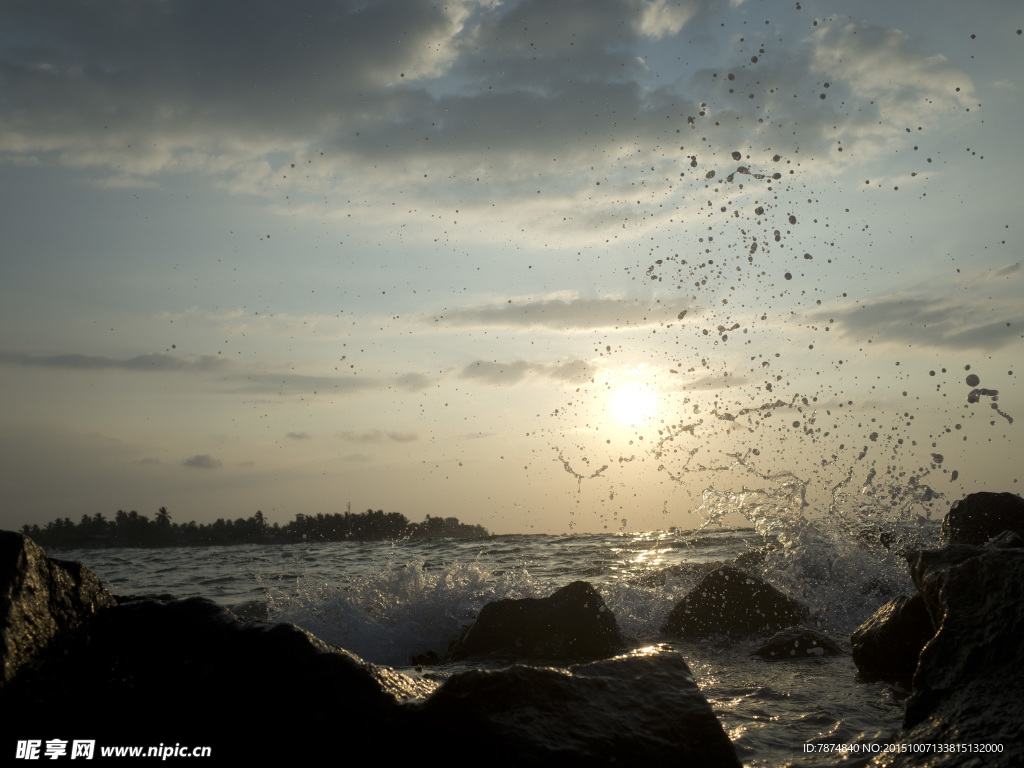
point(890, 82)
point(298, 436)
point(233, 378)
point(1006, 271)
point(497, 373)
point(378, 436)
point(571, 371)
point(239, 322)
point(515, 371)
point(660, 18)
point(202, 461)
point(885, 66)
point(562, 314)
point(530, 117)
point(413, 382)
point(157, 362)
point(709, 383)
point(928, 320)
point(279, 384)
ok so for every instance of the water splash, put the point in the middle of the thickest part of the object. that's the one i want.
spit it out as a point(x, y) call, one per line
point(400, 610)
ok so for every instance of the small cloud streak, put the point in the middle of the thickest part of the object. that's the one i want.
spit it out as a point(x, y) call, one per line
point(202, 461)
point(1006, 271)
point(148, 362)
point(564, 314)
point(233, 378)
point(269, 383)
point(379, 436)
point(515, 371)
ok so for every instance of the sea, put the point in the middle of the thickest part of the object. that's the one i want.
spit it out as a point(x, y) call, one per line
point(391, 601)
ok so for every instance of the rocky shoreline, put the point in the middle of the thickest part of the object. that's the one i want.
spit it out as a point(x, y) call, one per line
point(959, 639)
point(78, 662)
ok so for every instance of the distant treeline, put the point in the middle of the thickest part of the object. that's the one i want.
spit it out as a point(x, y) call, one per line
point(130, 529)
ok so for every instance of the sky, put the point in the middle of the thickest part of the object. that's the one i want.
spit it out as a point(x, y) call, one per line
point(605, 265)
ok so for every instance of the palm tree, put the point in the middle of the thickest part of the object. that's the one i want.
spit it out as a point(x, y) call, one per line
point(163, 518)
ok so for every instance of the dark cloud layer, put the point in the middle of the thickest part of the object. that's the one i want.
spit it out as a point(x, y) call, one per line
point(930, 321)
point(202, 461)
point(484, 103)
point(269, 383)
point(149, 362)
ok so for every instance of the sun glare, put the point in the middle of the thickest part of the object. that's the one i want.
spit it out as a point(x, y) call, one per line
point(633, 404)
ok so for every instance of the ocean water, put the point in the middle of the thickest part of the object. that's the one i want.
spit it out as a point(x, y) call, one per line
point(389, 601)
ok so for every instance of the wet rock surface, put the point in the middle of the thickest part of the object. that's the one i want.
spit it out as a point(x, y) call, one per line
point(40, 598)
point(978, 517)
point(572, 623)
point(733, 602)
point(141, 667)
point(797, 643)
point(644, 710)
point(979, 645)
point(888, 644)
point(969, 674)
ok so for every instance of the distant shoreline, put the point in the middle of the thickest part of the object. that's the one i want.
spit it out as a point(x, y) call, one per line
point(130, 529)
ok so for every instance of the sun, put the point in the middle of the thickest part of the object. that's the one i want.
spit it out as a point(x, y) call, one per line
point(633, 404)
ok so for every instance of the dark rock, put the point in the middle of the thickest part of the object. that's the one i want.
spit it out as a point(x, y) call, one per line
point(798, 643)
point(731, 601)
point(252, 610)
point(573, 623)
point(165, 596)
point(641, 710)
point(1006, 539)
point(978, 517)
point(752, 558)
point(39, 599)
point(150, 668)
point(927, 564)
point(979, 647)
point(969, 676)
point(887, 645)
point(428, 659)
